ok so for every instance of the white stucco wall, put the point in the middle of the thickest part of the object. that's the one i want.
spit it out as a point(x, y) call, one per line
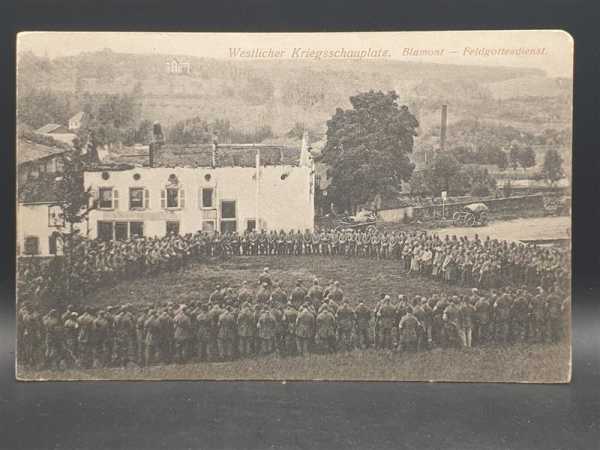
point(32, 220)
point(395, 215)
point(282, 204)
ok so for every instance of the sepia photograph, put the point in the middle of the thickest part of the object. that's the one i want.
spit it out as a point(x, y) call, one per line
point(356, 206)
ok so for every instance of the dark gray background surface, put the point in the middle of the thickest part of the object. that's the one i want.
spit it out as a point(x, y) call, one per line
point(250, 415)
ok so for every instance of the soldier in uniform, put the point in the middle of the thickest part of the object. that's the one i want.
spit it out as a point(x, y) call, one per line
point(467, 317)
point(290, 316)
point(539, 317)
point(153, 336)
point(298, 294)
point(501, 309)
point(203, 330)
point(85, 340)
point(266, 328)
point(409, 331)
point(265, 277)
point(345, 324)
point(451, 318)
point(387, 317)
point(245, 330)
point(71, 331)
point(554, 325)
point(519, 317)
point(182, 335)
point(102, 334)
point(52, 339)
point(278, 296)
point(316, 293)
point(226, 334)
point(305, 329)
point(214, 313)
point(363, 319)
point(326, 330)
point(483, 319)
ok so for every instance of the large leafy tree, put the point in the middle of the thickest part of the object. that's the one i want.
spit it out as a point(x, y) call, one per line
point(367, 148)
point(552, 169)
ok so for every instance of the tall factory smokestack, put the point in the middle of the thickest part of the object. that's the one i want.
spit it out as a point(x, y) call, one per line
point(215, 145)
point(444, 126)
point(157, 141)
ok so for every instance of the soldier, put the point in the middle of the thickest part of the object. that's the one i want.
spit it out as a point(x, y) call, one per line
point(245, 330)
point(85, 340)
point(451, 318)
point(71, 331)
point(539, 317)
point(345, 323)
point(316, 293)
point(182, 335)
point(52, 339)
point(554, 326)
point(519, 316)
point(226, 334)
point(298, 294)
point(305, 329)
point(153, 331)
point(203, 330)
point(409, 331)
point(467, 315)
point(166, 335)
point(278, 296)
point(483, 319)
point(266, 329)
point(387, 317)
point(265, 277)
point(326, 330)
point(502, 318)
point(102, 334)
point(216, 297)
point(336, 294)
point(362, 315)
point(245, 294)
point(140, 333)
point(290, 316)
point(263, 294)
point(214, 313)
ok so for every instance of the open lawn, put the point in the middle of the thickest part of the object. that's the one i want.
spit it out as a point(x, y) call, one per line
point(518, 363)
point(360, 278)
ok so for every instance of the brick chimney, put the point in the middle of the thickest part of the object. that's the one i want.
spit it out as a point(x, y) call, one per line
point(215, 147)
point(158, 140)
point(444, 127)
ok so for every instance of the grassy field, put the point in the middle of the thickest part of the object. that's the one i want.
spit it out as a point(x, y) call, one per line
point(361, 279)
point(518, 363)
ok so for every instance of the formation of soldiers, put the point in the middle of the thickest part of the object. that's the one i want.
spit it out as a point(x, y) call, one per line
point(484, 264)
point(263, 319)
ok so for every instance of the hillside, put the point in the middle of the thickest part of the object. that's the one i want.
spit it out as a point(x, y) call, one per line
point(281, 93)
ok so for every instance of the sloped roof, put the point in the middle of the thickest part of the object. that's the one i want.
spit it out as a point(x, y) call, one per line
point(78, 116)
point(49, 128)
point(228, 155)
point(31, 151)
point(46, 188)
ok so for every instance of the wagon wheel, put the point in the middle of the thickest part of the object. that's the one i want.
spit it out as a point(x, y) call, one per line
point(456, 217)
point(339, 228)
point(483, 218)
point(371, 229)
point(470, 220)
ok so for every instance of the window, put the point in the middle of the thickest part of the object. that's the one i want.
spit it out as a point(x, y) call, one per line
point(52, 245)
point(121, 231)
point(207, 198)
point(105, 231)
point(136, 229)
point(172, 227)
point(172, 198)
point(32, 245)
point(105, 198)
point(251, 224)
point(136, 198)
point(227, 209)
point(228, 216)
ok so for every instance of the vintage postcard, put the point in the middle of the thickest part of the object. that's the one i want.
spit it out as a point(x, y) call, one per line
point(386, 206)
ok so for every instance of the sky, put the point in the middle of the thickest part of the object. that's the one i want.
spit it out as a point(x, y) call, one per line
point(549, 50)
